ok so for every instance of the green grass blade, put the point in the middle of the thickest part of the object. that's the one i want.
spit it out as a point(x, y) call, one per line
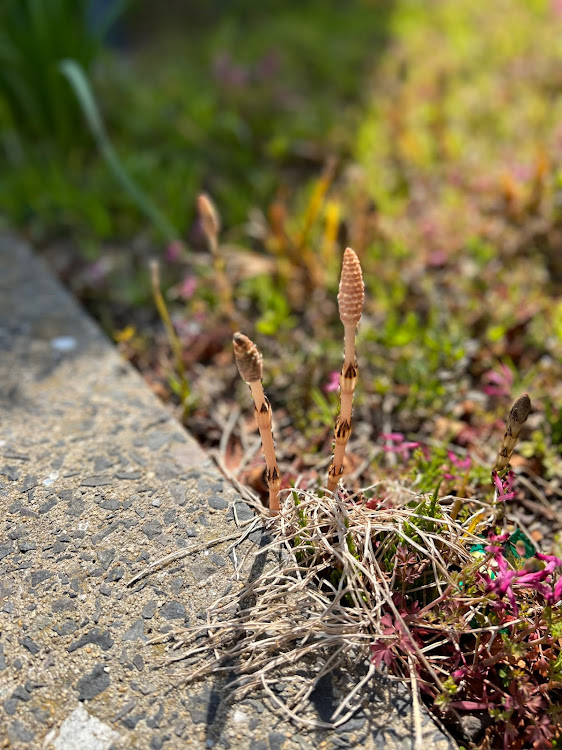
point(83, 92)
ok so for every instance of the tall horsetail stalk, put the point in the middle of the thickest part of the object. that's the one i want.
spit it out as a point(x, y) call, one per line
point(351, 297)
point(250, 363)
point(210, 223)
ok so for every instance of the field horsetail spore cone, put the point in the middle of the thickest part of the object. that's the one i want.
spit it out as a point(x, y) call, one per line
point(351, 297)
point(515, 421)
point(249, 362)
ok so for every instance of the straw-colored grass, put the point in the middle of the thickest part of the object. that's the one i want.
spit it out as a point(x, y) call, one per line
point(319, 600)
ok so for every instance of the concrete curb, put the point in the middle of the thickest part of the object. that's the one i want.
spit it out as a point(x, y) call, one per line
point(96, 481)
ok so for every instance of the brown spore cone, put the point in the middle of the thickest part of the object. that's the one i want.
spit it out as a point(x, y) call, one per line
point(520, 409)
point(248, 359)
point(351, 294)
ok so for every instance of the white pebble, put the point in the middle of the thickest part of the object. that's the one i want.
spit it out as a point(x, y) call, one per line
point(64, 343)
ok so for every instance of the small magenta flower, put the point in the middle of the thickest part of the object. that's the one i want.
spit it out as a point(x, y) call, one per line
point(501, 585)
point(333, 382)
point(463, 464)
point(504, 486)
point(557, 592)
point(501, 538)
point(540, 581)
point(174, 251)
point(397, 443)
point(460, 463)
point(187, 287)
point(499, 381)
point(552, 562)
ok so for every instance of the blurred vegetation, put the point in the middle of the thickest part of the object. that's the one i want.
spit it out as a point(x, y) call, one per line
point(222, 100)
point(426, 136)
point(34, 36)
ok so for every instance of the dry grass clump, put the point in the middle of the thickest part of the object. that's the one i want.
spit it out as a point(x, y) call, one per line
point(349, 586)
point(319, 604)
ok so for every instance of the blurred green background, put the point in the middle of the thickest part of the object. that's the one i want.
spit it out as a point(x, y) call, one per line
point(236, 98)
point(428, 136)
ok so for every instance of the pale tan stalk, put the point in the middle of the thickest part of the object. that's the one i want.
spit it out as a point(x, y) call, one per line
point(351, 297)
point(210, 224)
point(515, 421)
point(210, 221)
point(249, 362)
point(173, 339)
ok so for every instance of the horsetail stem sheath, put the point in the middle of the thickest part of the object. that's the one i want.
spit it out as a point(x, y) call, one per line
point(249, 362)
point(351, 297)
point(515, 421)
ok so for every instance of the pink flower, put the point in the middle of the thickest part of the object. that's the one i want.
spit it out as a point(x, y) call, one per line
point(552, 562)
point(187, 287)
point(540, 581)
point(557, 592)
point(396, 443)
point(502, 583)
point(554, 594)
point(504, 486)
point(501, 538)
point(460, 463)
point(174, 251)
point(333, 383)
point(463, 464)
point(394, 437)
point(499, 382)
